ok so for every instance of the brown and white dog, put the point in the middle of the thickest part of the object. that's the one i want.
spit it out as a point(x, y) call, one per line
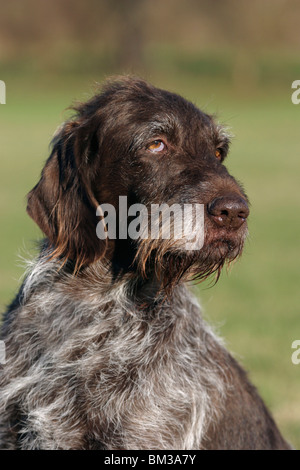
point(105, 345)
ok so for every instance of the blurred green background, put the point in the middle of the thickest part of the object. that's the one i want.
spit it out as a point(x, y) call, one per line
point(235, 58)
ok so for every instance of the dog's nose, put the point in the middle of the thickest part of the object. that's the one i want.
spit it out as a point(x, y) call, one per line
point(228, 211)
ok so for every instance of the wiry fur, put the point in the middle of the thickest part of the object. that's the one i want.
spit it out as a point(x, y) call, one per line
point(102, 364)
point(106, 348)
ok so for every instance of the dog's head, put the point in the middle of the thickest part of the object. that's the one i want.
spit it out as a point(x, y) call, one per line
point(154, 148)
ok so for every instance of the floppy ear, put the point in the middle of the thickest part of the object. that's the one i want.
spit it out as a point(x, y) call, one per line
point(62, 203)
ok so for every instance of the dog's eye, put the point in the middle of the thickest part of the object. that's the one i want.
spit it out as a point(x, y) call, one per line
point(218, 154)
point(156, 146)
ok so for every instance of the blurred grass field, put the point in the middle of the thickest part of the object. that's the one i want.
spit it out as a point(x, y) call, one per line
point(255, 306)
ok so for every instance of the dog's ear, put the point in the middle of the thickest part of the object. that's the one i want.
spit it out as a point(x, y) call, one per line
point(63, 204)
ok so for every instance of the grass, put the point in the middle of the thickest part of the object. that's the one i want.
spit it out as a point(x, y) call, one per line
point(255, 306)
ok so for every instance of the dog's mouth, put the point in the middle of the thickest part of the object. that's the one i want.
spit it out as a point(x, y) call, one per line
point(225, 244)
point(172, 264)
point(224, 249)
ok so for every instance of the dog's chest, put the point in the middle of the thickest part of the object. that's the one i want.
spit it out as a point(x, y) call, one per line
point(110, 379)
point(159, 377)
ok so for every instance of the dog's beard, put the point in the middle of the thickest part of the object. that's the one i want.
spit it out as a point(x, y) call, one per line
point(171, 264)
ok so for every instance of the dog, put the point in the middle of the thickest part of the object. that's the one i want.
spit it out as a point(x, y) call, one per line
point(105, 343)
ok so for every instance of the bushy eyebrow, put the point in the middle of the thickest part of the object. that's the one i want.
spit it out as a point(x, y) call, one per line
point(223, 139)
point(223, 134)
point(146, 131)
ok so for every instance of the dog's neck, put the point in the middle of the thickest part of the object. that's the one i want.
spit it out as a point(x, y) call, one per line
point(101, 282)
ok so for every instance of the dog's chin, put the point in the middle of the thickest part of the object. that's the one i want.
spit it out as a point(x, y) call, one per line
point(171, 262)
point(198, 265)
point(220, 251)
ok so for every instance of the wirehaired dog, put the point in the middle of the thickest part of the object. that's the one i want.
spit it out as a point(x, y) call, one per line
point(106, 347)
